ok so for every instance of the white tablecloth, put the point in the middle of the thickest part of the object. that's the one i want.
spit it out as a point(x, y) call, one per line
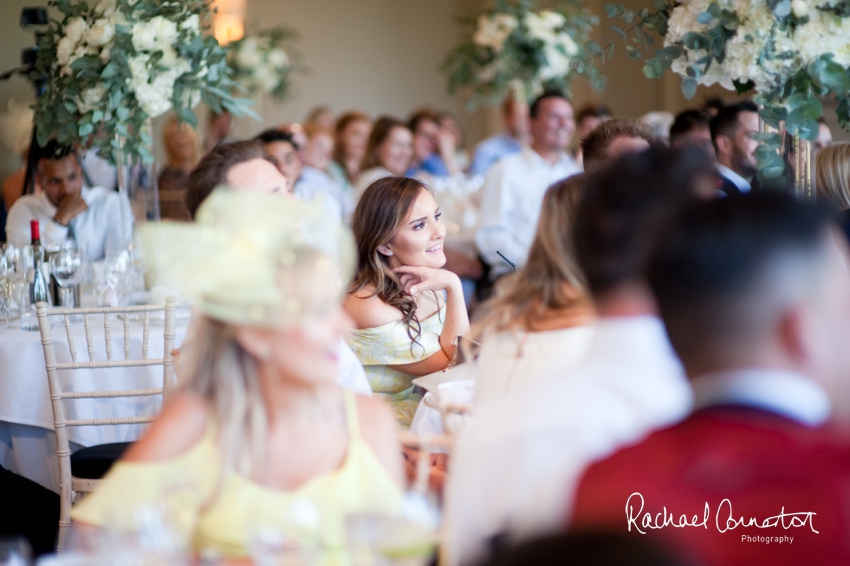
point(27, 441)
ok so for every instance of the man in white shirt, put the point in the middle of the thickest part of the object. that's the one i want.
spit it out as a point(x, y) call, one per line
point(732, 133)
point(514, 187)
point(517, 462)
point(243, 166)
point(94, 217)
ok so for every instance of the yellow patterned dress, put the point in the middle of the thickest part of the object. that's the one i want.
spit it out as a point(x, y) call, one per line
point(388, 345)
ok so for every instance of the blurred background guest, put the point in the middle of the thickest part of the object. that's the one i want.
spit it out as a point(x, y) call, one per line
point(824, 135)
point(450, 123)
point(389, 151)
point(321, 116)
point(16, 133)
point(691, 128)
point(182, 153)
point(590, 116)
point(541, 437)
point(320, 145)
point(538, 323)
point(433, 146)
point(514, 187)
point(832, 178)
point(218, 129)
point(613, 138)
point(511, 140)
point(407, 311)
point(755, 295)
point(732, 133)
point(351, 135)
point(258, 389)
point(308, 184)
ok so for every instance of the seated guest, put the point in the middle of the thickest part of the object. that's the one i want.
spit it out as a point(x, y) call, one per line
point(407, 312)
point(538, 322)
point(824, 135)
point(318, 155)
point(450, 123)
point(518, 460)
point(832, 179)
point(308, 184)
point(732, 132)
point(242, 166)
point(258, 427)
point(691, 128)
point(182, 152)
point(218, 129)
point(590, 116)
point(755, 296)
point(389, 151)
point(351, 135)
point(612, 138)
point(514, 187)
point(510, 141)
point(66, 209)
point(433, 146)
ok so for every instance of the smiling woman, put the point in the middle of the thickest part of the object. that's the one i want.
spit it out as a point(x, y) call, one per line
point(408, 312)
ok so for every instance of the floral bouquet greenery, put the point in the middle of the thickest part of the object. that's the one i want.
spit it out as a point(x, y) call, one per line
point(789, 53)
point(525, 45)
point(262, 64)
point(112, 65)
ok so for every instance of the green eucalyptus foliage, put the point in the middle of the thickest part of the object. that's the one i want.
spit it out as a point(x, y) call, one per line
point(116, 120)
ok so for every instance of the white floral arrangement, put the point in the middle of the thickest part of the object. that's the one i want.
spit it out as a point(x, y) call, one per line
point(515, 45)
point(789, 53)
point(262, 63)
point(112, 66)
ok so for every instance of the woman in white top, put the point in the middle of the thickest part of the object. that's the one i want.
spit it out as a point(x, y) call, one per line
point(537, 325)
point(389, 152)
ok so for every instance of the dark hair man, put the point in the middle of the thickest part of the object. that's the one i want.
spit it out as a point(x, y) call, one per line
point(612, 138)
point(732, 133)
point(66, 208)
point(755, 296)
point(691, 128)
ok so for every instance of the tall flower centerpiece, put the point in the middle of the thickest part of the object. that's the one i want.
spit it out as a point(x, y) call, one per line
point(113, 65)
point(263, 63)
point(789, 53)
point(519, 46)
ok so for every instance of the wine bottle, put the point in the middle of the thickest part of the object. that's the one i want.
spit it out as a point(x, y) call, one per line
point(38, 282)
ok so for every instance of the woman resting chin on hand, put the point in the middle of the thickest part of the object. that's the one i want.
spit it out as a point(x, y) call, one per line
point(407, 310)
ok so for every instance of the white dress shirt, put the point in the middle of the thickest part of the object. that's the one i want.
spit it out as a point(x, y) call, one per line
point(314, 184)
point(516, 465)
point(510, 204)
point(742, 184)
point(512, 360)
point(102, 222)
point(783, 393)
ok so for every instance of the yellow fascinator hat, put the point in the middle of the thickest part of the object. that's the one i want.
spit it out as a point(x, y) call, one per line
point(253, 259)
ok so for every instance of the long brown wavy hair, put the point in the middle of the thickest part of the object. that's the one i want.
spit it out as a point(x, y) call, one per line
point(550, 280)
point(382, 209)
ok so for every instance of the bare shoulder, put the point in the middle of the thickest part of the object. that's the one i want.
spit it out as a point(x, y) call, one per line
point(175, 431)
point(368, 311)
point(379, 429)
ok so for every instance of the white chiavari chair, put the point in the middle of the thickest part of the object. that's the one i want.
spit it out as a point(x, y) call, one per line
point(69, 485)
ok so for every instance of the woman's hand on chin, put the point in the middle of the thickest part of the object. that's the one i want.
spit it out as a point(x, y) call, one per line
point(416, 279)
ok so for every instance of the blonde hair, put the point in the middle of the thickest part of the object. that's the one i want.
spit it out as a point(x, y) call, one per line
point(832, 166)
point(550, 280)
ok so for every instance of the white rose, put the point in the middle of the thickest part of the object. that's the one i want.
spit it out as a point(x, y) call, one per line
point(144, 36)
point(139, 71)
point(800, 8)
point(75, 29)
point(538, 28)
point(91, 99)
point(248, 56)
point(192, 23)
point(165, 30)
point(105, 8)
point(153, 100)
point(105, 54)
point(64, 50)
point(492, 32)
point(278, 58)
point(101, 33)
point(169, 57)
point(553, 19)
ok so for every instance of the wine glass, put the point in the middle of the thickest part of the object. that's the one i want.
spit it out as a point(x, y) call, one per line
point(117, 272)
point(15, 551)
point(8, 275)
point(66, 267)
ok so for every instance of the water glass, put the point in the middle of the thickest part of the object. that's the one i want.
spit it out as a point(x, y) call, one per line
point(15, 551)
point(9, 260)
point(117, 270)
point(66, 267)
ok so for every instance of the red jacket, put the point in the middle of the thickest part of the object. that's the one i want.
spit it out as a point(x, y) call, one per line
point(759, 462)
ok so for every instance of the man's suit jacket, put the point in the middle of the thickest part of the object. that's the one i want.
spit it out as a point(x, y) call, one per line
point(760, 462)
point(728, 187)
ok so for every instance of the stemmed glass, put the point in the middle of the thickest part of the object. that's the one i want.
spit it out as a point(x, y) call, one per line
point(117, 274)
point(8, 274)
point(66, 267)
